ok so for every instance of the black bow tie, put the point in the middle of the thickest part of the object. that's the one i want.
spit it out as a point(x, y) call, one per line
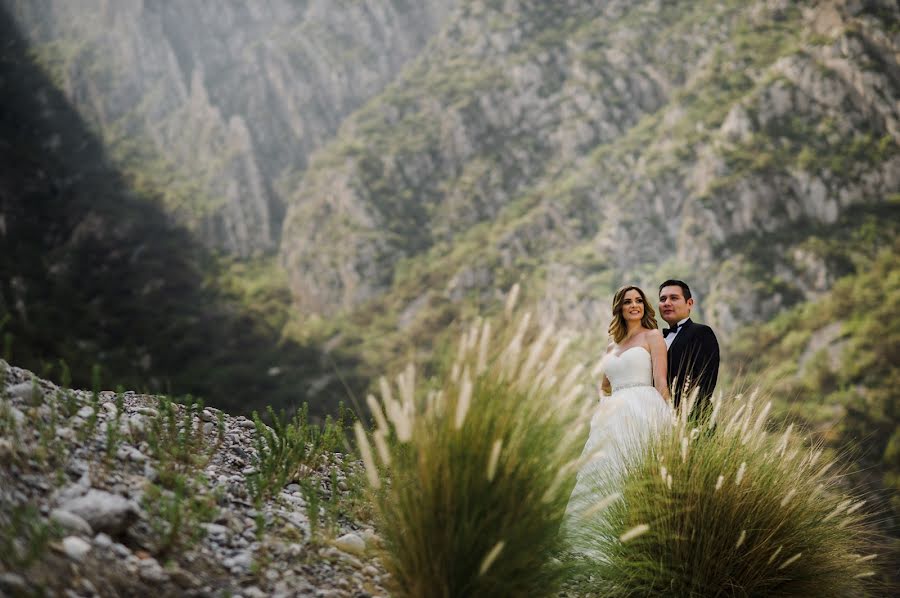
point(668, 331)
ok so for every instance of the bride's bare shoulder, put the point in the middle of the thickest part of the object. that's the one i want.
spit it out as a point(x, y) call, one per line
point(652, 333)
point(652, 336)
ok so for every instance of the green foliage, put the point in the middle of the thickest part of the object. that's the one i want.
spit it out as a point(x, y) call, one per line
point(845, 385)
point(177, 511)
point(812, 145)
point(65, 398)
point(477, 473)
point(179, 502)
point(291, 449)
point(313, 497)
point(87, 430)
point(114, 427)
point(177, 441)
point(259, 285)
point(8, 425)
point(51, 450)
point(733, 511)
point(24, 535)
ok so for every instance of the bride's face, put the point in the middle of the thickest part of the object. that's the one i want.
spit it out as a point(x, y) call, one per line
point(632, 306)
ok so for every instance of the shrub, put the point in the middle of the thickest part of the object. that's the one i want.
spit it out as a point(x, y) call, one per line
point(177, 441)
point(476, 472)
point(727, 510)
point(24, 535)
point(291, 449)
point(176, 514)
point(179, 502)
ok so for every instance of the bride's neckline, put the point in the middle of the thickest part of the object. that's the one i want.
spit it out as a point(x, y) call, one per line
point(629, 349)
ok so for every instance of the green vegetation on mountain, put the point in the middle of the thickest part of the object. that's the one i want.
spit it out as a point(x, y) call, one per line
point(832, 365)
point(719, 152)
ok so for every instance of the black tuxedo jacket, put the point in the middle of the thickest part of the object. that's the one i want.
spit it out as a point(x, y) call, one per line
point(693, 362)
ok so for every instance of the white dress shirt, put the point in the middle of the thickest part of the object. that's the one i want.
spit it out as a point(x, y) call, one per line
point(670, 338)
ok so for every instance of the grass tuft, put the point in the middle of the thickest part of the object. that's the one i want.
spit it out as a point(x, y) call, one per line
point(727, 510)
point(474, 471)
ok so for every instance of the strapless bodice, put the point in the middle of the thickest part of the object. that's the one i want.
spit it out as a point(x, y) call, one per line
point(629, 368)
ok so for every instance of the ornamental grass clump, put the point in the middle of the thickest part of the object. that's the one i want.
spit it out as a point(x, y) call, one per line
point(471, 476)
point(727, 509)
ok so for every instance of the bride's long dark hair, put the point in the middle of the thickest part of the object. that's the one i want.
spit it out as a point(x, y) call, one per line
point(618, 328)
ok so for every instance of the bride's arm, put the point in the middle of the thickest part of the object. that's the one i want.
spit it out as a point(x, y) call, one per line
point(605, 387)
point(659, 357)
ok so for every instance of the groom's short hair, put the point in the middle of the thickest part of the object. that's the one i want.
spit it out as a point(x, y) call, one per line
point(686, 290)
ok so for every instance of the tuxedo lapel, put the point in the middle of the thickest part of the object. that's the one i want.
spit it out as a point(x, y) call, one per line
point(680, 338)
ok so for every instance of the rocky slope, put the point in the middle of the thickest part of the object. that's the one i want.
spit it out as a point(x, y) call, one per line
point(580, 145)
point(219, 105)
point(93, 501)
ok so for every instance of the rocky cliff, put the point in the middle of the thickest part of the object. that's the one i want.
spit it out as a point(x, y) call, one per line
point(218, 105)
point(581, 145)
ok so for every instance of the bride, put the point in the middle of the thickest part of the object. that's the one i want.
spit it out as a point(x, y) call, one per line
point(634, 405)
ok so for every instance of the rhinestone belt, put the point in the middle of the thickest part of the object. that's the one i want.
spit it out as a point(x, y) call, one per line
point(632, 385)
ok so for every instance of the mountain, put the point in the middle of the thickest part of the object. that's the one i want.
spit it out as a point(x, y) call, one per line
point(392, 170)
point(93, 272)
point(579, 146)
point(219, 105)
point(750, 148)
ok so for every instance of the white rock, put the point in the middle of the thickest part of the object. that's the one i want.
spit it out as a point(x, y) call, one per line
point(150, 570)
point(71, 522)
point(351, 543)
point(103, 511)
point(25, 391)
point(17, 415)
point(6, 448)
point(64, 433)
point(214, 529)
point(239, 562)
point(13, 583)
point(74, 490)
point(130, 453)
point(75, 548)
point(370, 538)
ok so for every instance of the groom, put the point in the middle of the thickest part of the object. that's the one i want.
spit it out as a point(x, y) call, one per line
point(693, 348)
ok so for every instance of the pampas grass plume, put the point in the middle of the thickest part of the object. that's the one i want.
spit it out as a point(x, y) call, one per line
point(631, 534)
point(490, 557)
point(365, 451)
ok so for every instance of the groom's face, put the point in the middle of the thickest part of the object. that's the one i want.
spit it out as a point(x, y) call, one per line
point(673, 307)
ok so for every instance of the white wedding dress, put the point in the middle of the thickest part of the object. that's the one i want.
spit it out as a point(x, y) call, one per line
point(621, 426)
